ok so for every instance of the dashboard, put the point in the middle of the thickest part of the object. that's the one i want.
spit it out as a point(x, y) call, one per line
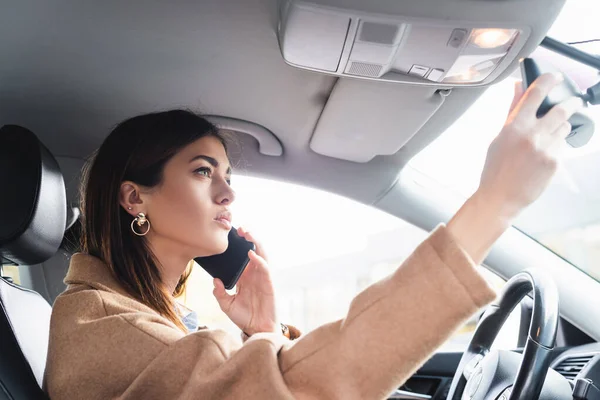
point(432, 381)
point(581, 362)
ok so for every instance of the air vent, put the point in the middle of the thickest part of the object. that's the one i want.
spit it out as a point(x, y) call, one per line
point(571, 367)
point(364, 69)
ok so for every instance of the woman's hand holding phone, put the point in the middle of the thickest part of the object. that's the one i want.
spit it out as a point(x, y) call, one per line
point(252, 307)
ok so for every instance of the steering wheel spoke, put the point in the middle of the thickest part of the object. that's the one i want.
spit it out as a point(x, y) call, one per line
point(472, 365)
point(484, 374)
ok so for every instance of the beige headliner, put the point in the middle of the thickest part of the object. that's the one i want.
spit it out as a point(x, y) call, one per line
point(70, 70)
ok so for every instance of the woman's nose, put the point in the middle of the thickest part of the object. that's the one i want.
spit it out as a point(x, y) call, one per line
point(226, 194)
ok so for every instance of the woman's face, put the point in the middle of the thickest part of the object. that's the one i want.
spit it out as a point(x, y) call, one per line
point(189, 210)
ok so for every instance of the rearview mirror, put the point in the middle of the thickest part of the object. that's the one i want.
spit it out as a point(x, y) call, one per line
point(582, 126)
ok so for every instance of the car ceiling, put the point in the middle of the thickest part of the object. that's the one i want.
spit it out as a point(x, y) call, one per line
point(71, 70)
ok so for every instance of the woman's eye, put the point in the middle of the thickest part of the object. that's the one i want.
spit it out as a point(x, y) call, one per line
point(204, 171)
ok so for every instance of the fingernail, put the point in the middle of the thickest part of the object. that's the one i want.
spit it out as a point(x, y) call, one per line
point(559, 77)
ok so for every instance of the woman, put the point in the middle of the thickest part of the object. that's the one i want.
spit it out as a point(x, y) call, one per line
point(157, 195)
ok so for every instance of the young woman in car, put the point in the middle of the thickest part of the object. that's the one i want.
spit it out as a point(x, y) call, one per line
point(157, 195)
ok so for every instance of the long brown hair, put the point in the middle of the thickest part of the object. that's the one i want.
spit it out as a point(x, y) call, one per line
point(136, 150)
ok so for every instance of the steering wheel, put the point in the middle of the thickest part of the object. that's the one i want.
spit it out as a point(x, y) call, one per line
point(484, 374)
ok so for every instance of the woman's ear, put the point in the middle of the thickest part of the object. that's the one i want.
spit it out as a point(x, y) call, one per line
point(130, 198)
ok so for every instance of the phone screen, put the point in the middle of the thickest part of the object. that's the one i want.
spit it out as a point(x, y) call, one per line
point(228, 266)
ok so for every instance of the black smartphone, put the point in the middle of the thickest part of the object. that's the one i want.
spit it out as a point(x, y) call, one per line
point(228, 266)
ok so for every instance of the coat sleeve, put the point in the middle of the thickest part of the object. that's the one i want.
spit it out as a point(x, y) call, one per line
point(391, 328)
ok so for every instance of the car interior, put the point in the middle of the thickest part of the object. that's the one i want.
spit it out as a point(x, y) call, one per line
point(342, 96)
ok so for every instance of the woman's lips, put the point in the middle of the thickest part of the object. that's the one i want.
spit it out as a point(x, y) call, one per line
point(224, 219)
point(224, 222)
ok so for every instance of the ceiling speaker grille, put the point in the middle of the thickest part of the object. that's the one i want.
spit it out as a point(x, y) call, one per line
point(365, 69)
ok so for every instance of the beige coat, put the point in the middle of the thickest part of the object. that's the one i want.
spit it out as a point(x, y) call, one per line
point(106, 345)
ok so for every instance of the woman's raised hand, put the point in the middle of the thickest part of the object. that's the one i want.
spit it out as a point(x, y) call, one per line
point(519, 165)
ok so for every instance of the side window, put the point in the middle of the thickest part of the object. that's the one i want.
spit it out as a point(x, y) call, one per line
point(323, 249)
point(12, 272)
point(508, 336)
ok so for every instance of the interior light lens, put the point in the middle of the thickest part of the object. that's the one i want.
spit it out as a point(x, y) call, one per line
point(470, 69)
point(491, 38)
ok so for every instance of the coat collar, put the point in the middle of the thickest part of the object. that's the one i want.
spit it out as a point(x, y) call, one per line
point(91, 271)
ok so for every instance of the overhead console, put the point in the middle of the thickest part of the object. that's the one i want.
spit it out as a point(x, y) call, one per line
point(425, 42)
point(433, 47)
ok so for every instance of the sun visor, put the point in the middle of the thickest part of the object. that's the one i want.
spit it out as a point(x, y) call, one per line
point(365, 119)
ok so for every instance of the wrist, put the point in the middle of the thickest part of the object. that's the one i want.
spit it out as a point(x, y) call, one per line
point(494, 206)
point(271, 328)
point(478, 224)
point(288, 331)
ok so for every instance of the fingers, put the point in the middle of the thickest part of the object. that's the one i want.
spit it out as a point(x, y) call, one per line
point(552, 127)
point(560, 113)
point(219, 290)
point(536, 93)
point(256, 258)
point(249, 237)
point(517, 96)
point(563, 130)
point(258, 265)
point(260, 273)
point(223, 298)
point(256, 276)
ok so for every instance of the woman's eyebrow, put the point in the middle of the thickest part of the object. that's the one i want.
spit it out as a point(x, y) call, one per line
point(212, 161)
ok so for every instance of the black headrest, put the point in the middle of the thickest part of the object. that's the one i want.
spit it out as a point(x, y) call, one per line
point(33, 200)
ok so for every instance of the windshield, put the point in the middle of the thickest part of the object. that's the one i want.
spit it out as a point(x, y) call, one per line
point(323, 250)
point(566, 219)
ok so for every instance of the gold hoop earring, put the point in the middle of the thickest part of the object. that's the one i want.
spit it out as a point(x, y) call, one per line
point(140, 220)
